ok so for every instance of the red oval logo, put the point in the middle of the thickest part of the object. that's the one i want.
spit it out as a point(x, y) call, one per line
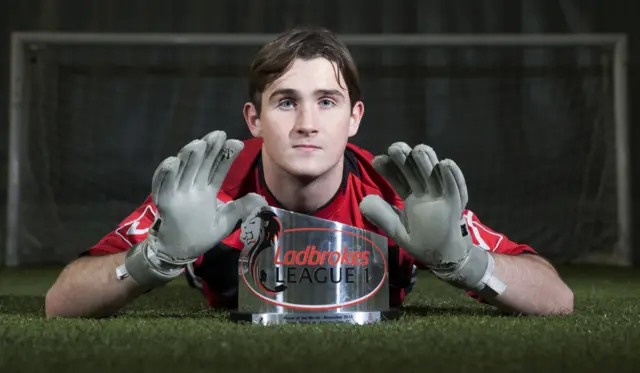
point(270, 270)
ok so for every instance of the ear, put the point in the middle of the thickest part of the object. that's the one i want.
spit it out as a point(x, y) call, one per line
point(356, 116)
point(251, 116)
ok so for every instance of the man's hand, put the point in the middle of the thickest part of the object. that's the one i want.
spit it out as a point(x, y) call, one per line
point(431, 226)
point(190, 220)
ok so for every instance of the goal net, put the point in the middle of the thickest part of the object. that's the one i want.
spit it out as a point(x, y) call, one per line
point(534, 127)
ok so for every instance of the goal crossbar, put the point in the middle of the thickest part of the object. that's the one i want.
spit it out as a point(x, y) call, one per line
point(516, 40)
point(618, 43)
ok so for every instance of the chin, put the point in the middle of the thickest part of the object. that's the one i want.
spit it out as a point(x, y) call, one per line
point(304, 170)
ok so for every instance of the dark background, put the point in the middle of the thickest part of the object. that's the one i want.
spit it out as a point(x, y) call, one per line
point(521, 134)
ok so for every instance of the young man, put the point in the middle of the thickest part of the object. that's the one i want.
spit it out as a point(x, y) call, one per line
point(304, 106)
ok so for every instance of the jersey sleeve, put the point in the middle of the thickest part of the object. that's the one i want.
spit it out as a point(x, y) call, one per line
point(491, 240)
point(129, 232)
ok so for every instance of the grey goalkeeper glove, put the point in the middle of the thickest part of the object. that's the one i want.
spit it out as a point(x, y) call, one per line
point(431, 227)
point(190, 219)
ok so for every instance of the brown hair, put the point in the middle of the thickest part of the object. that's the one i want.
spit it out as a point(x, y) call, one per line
point(276, 57)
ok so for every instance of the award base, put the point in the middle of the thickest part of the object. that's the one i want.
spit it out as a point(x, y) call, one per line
point(357, 318)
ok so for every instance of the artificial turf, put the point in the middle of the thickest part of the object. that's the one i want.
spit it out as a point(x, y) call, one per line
point(441, 330)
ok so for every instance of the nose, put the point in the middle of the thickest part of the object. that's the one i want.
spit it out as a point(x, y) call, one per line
point(306, 120)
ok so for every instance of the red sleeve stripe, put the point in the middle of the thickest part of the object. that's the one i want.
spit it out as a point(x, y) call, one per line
point(474, 225)
point(132, 228)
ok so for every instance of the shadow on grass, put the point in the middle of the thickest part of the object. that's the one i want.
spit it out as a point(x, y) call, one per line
point(30, 305)
point(161, 313)
point(425, 311)
point(26, 305)
point(21, 305)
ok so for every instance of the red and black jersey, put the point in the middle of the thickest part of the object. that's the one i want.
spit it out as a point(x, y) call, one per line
point(217, 268)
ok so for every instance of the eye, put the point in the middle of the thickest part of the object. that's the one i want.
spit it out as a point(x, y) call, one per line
point(327, 102)
point(286, 104)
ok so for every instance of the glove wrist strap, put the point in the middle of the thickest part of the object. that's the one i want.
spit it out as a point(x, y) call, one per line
point(145, 268)
point(475, 273)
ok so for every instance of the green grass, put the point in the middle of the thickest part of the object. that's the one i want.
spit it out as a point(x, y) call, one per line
point(442, 330)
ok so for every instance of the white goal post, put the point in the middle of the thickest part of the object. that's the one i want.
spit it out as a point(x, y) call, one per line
point(21, 41)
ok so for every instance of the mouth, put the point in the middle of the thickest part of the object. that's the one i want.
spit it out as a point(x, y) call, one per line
point(306, 147)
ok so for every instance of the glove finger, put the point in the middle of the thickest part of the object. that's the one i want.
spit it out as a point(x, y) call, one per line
point(164, 180)
point(451, 189)
point(214, 141)
point(223, 162)
point(191, 156)
point(461, 183)
point(385, 167)
point(425, 158)
point(382, 215)
point(400, 154)
point(237, 210)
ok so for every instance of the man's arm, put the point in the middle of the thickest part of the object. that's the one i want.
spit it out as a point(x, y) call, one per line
point(533, 286)
point(465, 254)
point(154, 244)
point(88, 287)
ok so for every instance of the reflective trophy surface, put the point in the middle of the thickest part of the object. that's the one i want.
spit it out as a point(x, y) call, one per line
point(296, 268)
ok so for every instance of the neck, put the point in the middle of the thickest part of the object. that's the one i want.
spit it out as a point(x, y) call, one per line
point(299, 194)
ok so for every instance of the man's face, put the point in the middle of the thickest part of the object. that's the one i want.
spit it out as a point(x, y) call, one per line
point(306, 118)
